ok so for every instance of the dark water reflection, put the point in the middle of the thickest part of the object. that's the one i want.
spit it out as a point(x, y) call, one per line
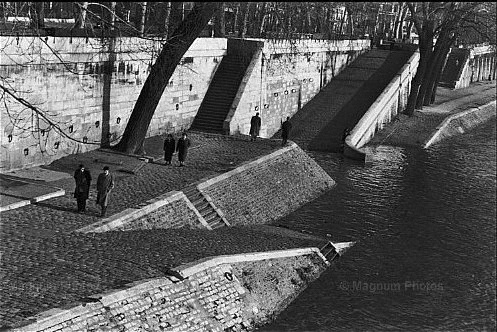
point(425, 225)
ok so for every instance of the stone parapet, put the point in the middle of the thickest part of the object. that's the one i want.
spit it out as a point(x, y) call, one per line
point(388, 104)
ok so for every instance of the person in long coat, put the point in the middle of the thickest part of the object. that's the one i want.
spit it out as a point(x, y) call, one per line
point(182, 148)
point(105, 183)
point(169, 146)
point(286, 127)
point(255, 126)
point(82, 177)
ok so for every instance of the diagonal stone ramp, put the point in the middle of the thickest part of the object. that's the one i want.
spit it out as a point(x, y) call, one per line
point(319, 125)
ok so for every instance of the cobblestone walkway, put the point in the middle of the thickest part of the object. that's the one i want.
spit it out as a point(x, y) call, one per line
point(43, 264)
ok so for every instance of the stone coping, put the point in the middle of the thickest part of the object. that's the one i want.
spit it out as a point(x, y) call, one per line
point(56, 316)
point(42, 191)
point(446, 122)
point(189, 269)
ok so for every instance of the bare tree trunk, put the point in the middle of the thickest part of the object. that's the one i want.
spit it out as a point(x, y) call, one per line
point(143, 16)
point(112, 19)
point(243, 24)
point(427, 57)
point(170, 56)
point(107, 81)
point(37, 12)
point(432, 87)
point(235, 23)
point(308, 18)
point(80, 18)
point(263, 19)
point(425, 47)
point(219, 25)
point(401, 22)
point(167, 15)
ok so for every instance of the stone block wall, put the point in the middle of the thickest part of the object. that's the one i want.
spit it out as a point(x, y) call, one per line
point(171, 210)
point(66, 79)
point(285, 76)
point(268, 188)
point(385, 108)
point(459, 123)
point(224, 293)
point(467, 65)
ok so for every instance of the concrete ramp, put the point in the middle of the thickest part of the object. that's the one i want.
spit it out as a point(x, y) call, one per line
point(319, 125)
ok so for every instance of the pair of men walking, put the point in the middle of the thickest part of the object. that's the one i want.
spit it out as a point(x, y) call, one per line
point(170, 147)
point(105, 183)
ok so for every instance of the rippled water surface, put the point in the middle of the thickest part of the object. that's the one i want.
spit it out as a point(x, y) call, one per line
point(425, 225)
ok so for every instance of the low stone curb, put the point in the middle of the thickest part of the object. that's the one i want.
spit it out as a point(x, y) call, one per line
point(59, 192)
point(438, 134)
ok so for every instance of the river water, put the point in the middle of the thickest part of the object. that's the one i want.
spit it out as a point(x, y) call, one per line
point(425, 226)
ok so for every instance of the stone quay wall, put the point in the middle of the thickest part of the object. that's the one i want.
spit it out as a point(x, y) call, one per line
point(224, 293)
point(68, 80)
point(268, 188)
point(283, 76)
point(459, 123)
point(384, 109)
point(465, 66)
point(256, 192)
point(86, 93)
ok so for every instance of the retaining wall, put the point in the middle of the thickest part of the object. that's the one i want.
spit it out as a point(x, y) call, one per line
point(225, 293)
point(284, 76)
point(171, 210)
point(268, 188)
point(459, 123)
point(388, 104)
point(256, 192)
point(65, 78)
point(465, 66)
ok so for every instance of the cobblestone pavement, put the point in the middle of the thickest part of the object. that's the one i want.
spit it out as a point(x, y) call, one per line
point(43, 264)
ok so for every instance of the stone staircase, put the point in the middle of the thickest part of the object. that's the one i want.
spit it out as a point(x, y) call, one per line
point(207, 211)
point(220, 95)
point(320, 124)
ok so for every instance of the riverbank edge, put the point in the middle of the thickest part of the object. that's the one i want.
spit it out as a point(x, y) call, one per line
point(289, 279)
point(418, 129)
point(459, 123)
point(230, 292)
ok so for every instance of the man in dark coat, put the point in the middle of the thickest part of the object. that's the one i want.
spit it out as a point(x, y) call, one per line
point(169, 146)
point(182, 148)
point(255, 126)
point(105, 183)
point(285, 130)
point(82, 177)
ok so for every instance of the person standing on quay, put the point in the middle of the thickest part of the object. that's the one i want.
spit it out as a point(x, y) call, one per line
point(105, 183)
point(82, 177)
point(285, 131)
point(169, 146)
point(255, 127)
point(182, 148)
